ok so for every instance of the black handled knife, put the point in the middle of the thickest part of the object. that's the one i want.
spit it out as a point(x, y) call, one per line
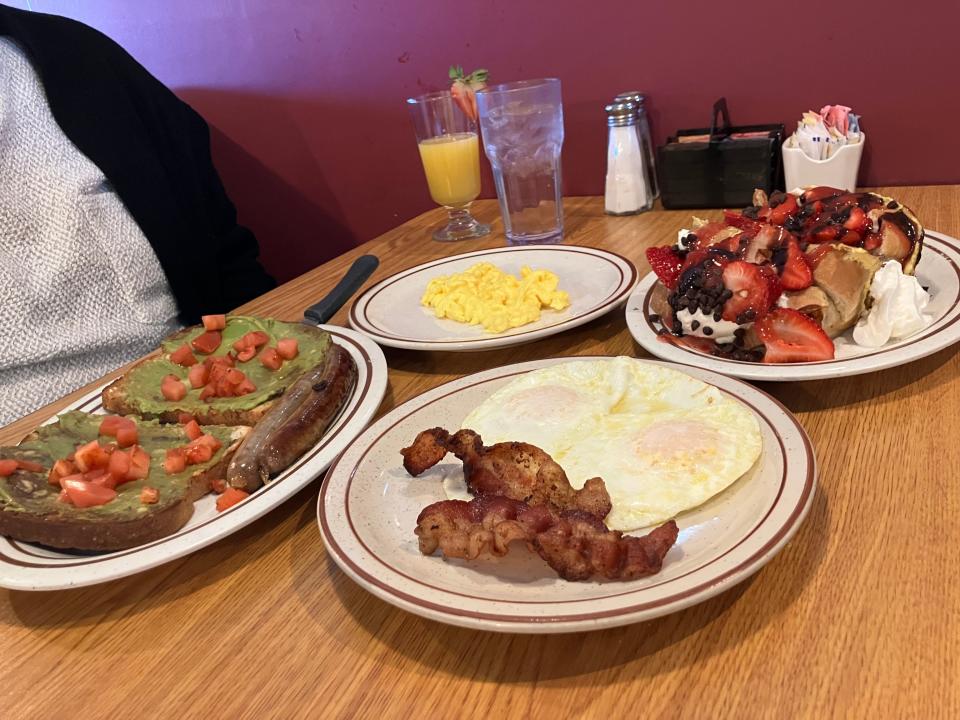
point(358, 273)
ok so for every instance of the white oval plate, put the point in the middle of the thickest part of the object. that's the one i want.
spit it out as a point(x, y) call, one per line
point(24, 566)
point(368, 508)
point(938, 270)
point(390, 312)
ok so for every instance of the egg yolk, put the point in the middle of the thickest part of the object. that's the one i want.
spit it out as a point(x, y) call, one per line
point(485, 295)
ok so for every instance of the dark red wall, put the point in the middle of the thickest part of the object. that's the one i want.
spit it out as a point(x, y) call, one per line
point(306, 96)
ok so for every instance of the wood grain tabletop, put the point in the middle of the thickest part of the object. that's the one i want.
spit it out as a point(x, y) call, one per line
point(858, 616)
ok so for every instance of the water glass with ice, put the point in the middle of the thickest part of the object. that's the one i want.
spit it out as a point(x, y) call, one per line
point(522, 128)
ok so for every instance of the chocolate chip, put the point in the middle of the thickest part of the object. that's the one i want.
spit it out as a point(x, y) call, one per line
point(717, 315)
point(654, 318)
point(695, 324)
point(707, 330)
point(892, 205)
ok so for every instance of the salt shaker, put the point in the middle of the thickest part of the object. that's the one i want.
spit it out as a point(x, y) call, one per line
point(627, 188)
point(639, 100)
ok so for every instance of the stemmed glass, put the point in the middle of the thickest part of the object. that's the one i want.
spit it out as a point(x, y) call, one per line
point(450, 152)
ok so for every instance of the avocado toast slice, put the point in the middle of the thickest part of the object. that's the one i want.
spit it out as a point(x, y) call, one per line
point(139, 391)
point(31, 511)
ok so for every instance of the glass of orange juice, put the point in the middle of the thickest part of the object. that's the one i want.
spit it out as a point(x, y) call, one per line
point(450, 153)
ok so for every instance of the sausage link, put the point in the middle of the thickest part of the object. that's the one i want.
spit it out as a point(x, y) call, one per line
point(296, 421)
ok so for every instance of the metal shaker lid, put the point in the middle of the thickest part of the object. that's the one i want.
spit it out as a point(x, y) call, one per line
point(637, 97)
point(620, 114)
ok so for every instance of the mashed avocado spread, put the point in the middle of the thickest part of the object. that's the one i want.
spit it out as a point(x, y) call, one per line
point(143, 381)
point(31, 492)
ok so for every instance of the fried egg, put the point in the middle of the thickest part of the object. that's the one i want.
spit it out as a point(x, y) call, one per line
point(663, 441)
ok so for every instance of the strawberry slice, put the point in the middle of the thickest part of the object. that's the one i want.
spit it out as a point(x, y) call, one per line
point(797, 274)
point(774, 286)
point(464, 89)
point(666, 264)
point(821, 192)
point(735, 219)
point(858, 221)
point(781, 208)
point(791, 336)
point(761, 245)
point(751, 292)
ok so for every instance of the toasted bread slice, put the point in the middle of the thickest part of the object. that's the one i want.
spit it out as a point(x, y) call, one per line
point(137, 392)
point(31, 511)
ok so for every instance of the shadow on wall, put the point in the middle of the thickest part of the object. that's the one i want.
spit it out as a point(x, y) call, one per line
point(298, 222)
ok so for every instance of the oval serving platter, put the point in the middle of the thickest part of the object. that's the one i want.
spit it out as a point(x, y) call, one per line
point(24, 566)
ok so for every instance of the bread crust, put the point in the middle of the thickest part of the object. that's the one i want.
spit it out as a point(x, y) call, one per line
point(97, 533)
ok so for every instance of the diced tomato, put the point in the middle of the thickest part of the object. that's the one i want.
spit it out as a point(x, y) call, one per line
point(60, 470)
point(288, 348)
point(87, 494)
point(247, 354)
point(271, 359)
point(149, 495)
point(218, 485)
point(183, 356)
point(245, 387)
point(192, 430)
point(139, 463)
point(235, 377)
point(94, 474)
point(209, 392)
point(30, 466)
point(127, 435)
point(173, 388)
point(184, 417)
point(214, 322)
point(63, 497)
point(109, 425)
point(209, 440)
point(207, 342)
point(224, 387)
point(119, 466)
point(176, 461)
point(105, 480)
point(7, 467)
point(230, 497)
point(198, 376)
point(254, 339)
point(197, 453)
point(91, 456)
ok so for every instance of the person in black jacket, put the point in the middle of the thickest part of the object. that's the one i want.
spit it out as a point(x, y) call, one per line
point(114, 225)
point(155, 151)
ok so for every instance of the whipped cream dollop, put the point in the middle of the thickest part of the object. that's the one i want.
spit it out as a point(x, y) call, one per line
point(898, 308)
point(695, 323)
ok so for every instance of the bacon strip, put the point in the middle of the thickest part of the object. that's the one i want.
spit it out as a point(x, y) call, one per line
point(575, 543)
point(515, 470)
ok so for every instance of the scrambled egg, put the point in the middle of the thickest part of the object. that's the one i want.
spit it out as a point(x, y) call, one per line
point(485, 295)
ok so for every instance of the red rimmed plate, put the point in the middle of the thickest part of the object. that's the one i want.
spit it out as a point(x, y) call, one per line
point(390, 312)
point(368, 507)
point(938, 270)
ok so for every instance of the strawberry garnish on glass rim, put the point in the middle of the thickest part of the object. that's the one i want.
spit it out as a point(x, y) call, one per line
point(464, 89)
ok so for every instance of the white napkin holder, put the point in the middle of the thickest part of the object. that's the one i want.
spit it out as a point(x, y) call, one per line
point(839, 171)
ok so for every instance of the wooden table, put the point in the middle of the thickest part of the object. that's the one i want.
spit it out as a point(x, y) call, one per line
point(858, 616)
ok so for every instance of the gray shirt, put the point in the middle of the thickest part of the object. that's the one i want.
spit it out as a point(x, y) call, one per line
point(81, 290)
